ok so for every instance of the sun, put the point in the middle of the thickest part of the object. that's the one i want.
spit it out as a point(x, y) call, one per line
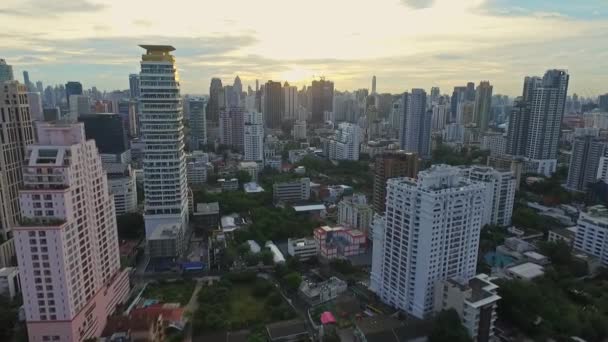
point(297, 74)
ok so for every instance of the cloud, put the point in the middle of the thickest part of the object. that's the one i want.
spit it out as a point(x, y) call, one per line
point(418, 4)
point(36, 8)
point(143, 23)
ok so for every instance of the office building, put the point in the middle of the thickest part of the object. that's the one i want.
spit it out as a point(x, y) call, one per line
point(26, 81)
point(322, 99)
point(39, 87)
point(495, 142)
point(355, 212)
point(214, 105)
point(592, 233)
point(107, 130)
point(500, 193)
point(291, 191)
point(519, 123)
point(72, 88)
point(162, 131)
point(273, 104)
point(232, 120)
point(344, 145)
point(434, 98)
point(391, 165)
point(253, 137)
point(415, 130)
point(299, 130)
point(134, 86)
point(303, 248)
point(474, 301)
point(483, 105)
point(587, 150)
point(196, 168)
point(291, 102)
point(79, 105)
point(6, 72)
point(122, 186)
point(374, 84)
point(457, 99)
point(602, 100)
point(546, 113)
point(198, 123)
point(414, 244)
point(16, 126)
point(66, 242)
point(440, 116)
point(36, 110)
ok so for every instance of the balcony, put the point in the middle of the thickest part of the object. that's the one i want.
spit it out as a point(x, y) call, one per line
point(41, 222)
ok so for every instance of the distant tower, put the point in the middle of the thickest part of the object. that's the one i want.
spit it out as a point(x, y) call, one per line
point(26, 78)
point(253, 131)
point(415, 131)
point(72, 88)
point(6, 71)
point(198, 126)
point(273, 104)
point(483, 105)
point(134, 86)
point(374, 84)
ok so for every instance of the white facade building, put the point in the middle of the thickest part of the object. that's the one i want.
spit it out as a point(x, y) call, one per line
point(430, 232)
point(123, 186)
point(345, 145)
point(10, 284)
point(440, 116)
point(79, 105)
point(299, 130)
point(290, 94)
point(495, 142)
point(303, 249)
point(254, 137)
point(196, 168)
point(294, 191)
point(35, 102)
point(162, 131)
point(353, 211)
point(592, 233)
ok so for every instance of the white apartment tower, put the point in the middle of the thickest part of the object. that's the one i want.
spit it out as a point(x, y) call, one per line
point(355, 212)
point(162, 131)
point(592, 233)
point(345, 145)
point(253, 137)
point(290, 94)
point(67, 242)
point(430, 232)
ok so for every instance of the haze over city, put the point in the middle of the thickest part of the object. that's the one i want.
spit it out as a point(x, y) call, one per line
point(407, 43)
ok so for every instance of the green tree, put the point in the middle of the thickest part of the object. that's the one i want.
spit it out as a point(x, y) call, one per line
point(448, 328)
point(131, 226)
point(292, 281)
point(243, 177)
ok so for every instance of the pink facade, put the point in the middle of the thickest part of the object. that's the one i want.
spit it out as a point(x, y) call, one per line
point(339, 242)
point(66, 243)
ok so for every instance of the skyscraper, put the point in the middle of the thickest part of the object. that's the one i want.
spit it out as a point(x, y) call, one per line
point(72, 88)
point(458, 97)
point(374, 84)
point(79, 105)
point(108, 131)
point(6, 71)
point(603, 102)
point(26, 80)
point(435, 94)
point(546, 113)
point(35, 101)
point(483, 105)
point(430, 232)
point(253, 137)
point(345, 144)
point(238, 90)
point(198, 126)
point(232, 120)
point(39, 87)
point(134, 86)
point(391, 165)
point(322, 100)
point(16, 126)
point(215, 103)
point(415, 131)
point(587, 150)
point(273, 104)
point(517, 133)
point(67, 243)
point(162, 131)
point(291, 101)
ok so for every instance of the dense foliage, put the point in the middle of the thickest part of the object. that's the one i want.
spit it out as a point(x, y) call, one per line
point(131, 226)
point(447, 328)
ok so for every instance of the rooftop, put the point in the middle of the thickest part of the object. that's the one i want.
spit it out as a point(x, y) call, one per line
point(160, 48)
point(310, 207)
point(252, 187)
point(527, 270)
point(284, 329)
point(597, 211)
point(165, 231)
point(207, 208)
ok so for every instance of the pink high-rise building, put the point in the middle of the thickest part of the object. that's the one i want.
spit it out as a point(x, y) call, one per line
point(66, 242)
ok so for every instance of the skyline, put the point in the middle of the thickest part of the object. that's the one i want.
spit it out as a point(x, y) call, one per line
point(405, 43)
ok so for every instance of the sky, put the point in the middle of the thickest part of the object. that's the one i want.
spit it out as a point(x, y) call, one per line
point(405, 43)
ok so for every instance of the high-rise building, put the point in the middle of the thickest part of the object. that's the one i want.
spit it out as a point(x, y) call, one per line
point(299, 130)
point(345, 144)
point(291, 101)
point(232, 120)
point(72, 88)
point(67, 242)
point(36, 110)
point(197, 168)
point(440, 116)
point(355, 212)
point(414, 244)
point(470, 92)
point(592, 233)
point(546, 113)
point(495, 142)
point(79, 105)
point(587, 150)
point(435, 94)
point(26, 80)
point(198, 126)
point(415, 131)
point(517, 133)
point(122, 185)
point(253, 137)
point(162, 131)
point(273, 104)
point(603, 102)
point(500, 193)
point(214, 105)
point(108, 131)
point(458, 97)
point(483, 105)
point(374, 84)
point(6, 72)
point(39, 87)
point(322, 99)
point(237, 87)
point(391, 165)
point(16, 126)
point(134, 86)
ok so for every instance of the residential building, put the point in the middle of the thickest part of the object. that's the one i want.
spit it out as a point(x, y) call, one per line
point(391, 165)
point(228, 184)
point(592, 233)
point(251, 168)
point(495, 142)
point(453, 134)
point(122, 186)
point(207, 215)
point(166, 241)
point(345, 144)
point(566, 235)
point(66, 241)
point(273, 104)
point(483, 105)
point(339, 242)
point(6, 72)
point(519, 123)
point(303, 248)
point(196, 168)
point(299, 130)
point(198, 123)
point(290, 94)
point(253, 137)
point(322, 99)
point(439, 117)
point(72, 88)
point(315, 293)
point(291, 191)
point(353, 211)
point(214, 105)
point(16, 126)
point(232, 121)
point(413, 243)
point(134, 86)
point(602, 100)
point(108, 131)
point(415, 131)
point(36, 110)
point(162, 131)
point(587, 150)
point(474, 301)
point(10, 284)
point(500, 193)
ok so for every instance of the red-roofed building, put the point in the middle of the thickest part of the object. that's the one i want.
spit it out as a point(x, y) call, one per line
point(339, 242)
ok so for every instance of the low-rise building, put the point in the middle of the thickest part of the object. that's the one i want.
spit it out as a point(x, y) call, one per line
point(10, 283)
point(277, 256)
point(252, 188)
point(525, 271)
point(292, 191)
point(228, 184)
point(353, 211)
point(316, 293)
point(251, 168)
point(303, 249)
point(288, 331)
point(566, 235)
point(474, 301)
point(339, 242)
point(207, 215)
point(166, 241)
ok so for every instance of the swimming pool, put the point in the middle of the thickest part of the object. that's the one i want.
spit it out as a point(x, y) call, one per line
point(498, 259)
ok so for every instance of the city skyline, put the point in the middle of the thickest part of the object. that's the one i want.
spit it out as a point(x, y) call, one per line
point(401, 43)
